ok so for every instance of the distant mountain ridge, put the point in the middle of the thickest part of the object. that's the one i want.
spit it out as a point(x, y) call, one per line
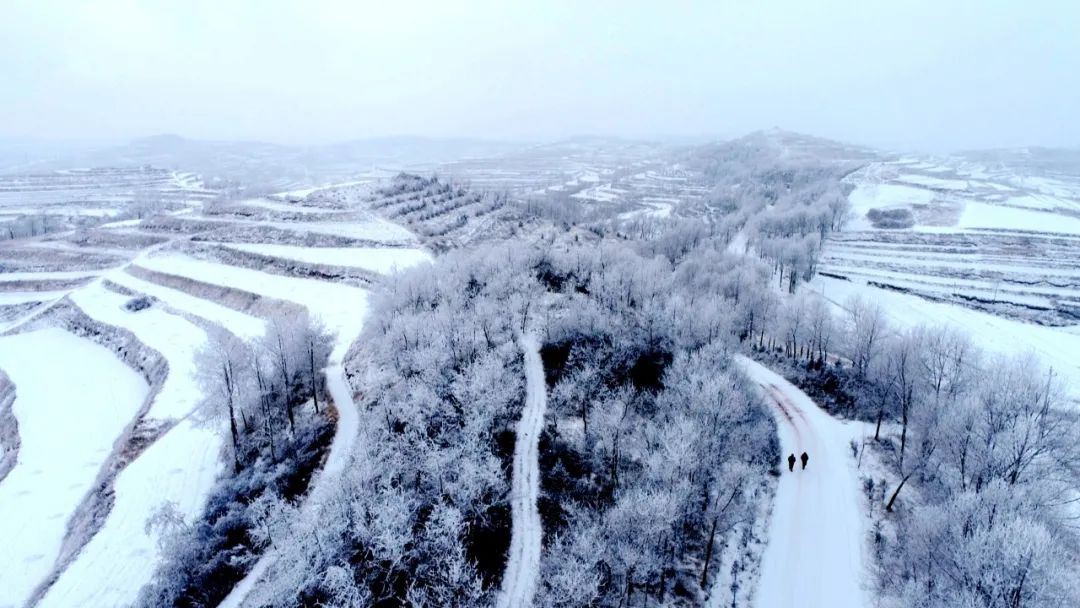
point(261, 162)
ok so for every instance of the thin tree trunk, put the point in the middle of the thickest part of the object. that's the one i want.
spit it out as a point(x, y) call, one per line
point(708, 553)
point(314, 387)
point(892, 499)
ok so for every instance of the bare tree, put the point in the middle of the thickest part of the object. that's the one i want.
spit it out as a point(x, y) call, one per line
point(866, 328)
point(225, 369)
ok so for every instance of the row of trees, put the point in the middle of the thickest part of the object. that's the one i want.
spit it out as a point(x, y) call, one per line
point(270, 396)
point(257, 387)
point(981, 450)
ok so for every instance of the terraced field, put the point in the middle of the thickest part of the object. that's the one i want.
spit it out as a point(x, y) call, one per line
point(120, 311)
point(993, 247)
point(41, 203)
point(441, 214)
point(1029, 276)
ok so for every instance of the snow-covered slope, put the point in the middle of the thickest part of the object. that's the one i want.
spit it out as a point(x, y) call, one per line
point(181, 458)
point(67, 426)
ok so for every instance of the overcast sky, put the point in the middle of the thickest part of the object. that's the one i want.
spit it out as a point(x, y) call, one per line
point(922, 74)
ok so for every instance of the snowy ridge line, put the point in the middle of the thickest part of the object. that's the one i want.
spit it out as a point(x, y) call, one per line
point(9, 427)
point(230, 297)
point(523, 566)
point(89, 516)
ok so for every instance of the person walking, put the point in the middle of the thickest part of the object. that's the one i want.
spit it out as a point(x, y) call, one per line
point(791, 462)
point(804, 458)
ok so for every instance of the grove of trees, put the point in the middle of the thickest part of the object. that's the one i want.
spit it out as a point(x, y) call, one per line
point(656, 450)
point(652, 450)
point(271, 399)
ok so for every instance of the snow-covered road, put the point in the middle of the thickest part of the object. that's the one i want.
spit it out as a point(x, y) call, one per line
point(348, 427)
point(523, 565)
point(814, 556)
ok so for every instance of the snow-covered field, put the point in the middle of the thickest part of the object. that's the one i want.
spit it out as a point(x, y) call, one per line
point(54, 201)
point(341, 307)
point(244, 326)
point(382, 260)
point(1058, 347)
point(180, 466)
point(373, 229)
point(67, 427)
point(993, 250)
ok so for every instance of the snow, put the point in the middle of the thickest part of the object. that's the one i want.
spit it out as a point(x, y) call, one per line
point(341, 307)
point(603, 193)
point(122, 224)
point(814, 555)
point(20, 297)
point(73, 398)
point(1058, 347)
point(341, 448)
point(933, 182)
point(243, 326)
point(982, 215)
point(370, 228)
point(304, 193)
point(181, 466)
point(376, 259)
point(47, 276)
point(176, 338)
point(523, 565)
point(288, 207)
point(867, 196)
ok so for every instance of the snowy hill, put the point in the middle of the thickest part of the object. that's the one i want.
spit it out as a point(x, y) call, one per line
point(276, 166)
point(127, 308)
point(263, 405)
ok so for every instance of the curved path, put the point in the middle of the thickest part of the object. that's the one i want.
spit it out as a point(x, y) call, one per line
point(348, 427)
point(523, 565)
point(814, 555)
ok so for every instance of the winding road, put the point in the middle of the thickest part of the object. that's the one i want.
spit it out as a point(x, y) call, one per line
point(348, 427)
point(814, 556)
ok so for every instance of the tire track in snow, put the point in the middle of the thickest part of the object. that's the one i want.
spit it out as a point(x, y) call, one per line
point(523, 563)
